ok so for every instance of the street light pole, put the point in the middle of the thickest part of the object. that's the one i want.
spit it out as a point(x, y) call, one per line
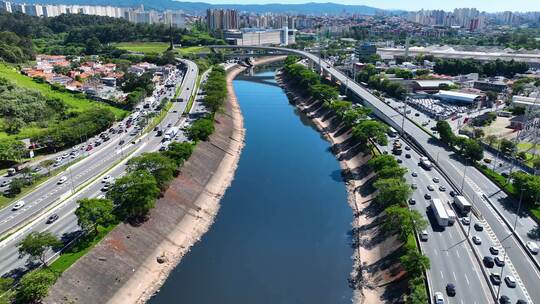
point(502, 272)
point(470, 219)
point(519, 209)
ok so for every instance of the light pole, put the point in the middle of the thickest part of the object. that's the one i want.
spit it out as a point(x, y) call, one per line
point(518, 210)
point(502, 273)
point(463, 179)
point(470, 218)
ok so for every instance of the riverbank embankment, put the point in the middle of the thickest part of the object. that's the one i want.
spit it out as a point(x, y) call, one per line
point(376, 275)
point(124, 267)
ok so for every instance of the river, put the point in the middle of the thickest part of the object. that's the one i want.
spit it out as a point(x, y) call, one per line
point(282, 233)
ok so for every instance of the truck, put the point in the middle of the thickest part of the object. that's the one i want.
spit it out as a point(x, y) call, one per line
point(451, 217)
point(462, 204)
point(171, 133)
point(424, 162)
point(439, 211)
point(392, 132)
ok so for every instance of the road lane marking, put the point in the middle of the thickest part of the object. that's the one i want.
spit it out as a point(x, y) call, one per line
point(467, 279)
point(442, 275)
point(454, 274)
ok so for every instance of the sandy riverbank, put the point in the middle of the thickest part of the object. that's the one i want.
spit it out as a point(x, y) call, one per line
point(123, 267)
point(372, 274)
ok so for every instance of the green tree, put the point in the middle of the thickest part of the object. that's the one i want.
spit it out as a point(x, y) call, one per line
point(529, 184)
point(201, 129)
point(15, 187)
point(507, 147)
point(392, 191)
point(382, 161)
point(418, 294)
point(12, 150)
point(403, 221)
point(93, 46)
point(492, 96)
point(161, 167)
point(135, 194)
point(47, 164)
point(491, 139)
point(371, 129)
point(93, 213)
point(445, 132)
point(323, 92)
point(472, 149)
point(36, 245)
point(179, 152)
point(34, 286)
point(392, 172)
point(414, 263)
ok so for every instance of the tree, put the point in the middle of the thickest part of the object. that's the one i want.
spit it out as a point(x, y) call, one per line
point(491, 139)
point(403, 221)
point(382, 161)
point(529, 184)
point(507, 147)
point(36, 244)
point(135, 194)
point(371, 129)
point(34, 286)
point(414, 262)
point(418, 294)
point(352, 116)
point(323, 92)
point(392, 172)
point(472, 149)
point(161, 167)
point(445, 132)
point(201, 129)
point(12, 150)
point(48, 163)
point(179, 152)
point(93, 46)
point(15, 187)
point(492, 96)
point(392, 191)
point(93, 213)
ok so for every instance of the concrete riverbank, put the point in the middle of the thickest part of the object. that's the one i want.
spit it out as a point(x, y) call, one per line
point(123, 267)
point(376, 276)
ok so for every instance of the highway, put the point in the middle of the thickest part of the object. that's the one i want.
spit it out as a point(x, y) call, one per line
point(450, 165)
point(114, 156)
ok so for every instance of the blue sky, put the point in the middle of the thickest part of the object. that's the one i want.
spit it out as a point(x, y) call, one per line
point(484, 5)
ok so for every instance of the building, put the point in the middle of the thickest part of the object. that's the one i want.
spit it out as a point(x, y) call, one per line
point(259, 37)
point(5, 6)
point(365, 50)
point(429, 86)
point(175, 18)
point(527, 102)
point(222, 19)
point(495, 86)
point(459, 97)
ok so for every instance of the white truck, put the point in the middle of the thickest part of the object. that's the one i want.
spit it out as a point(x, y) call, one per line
point(463, 204)
point(424, 162)
point(451, 217)
point(171, 133)
point(439, 211)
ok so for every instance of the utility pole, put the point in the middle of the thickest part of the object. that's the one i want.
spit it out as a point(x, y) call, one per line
point(463, 179)
point(518, 210)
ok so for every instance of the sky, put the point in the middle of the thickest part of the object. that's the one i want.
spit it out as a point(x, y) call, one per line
point(414, 5)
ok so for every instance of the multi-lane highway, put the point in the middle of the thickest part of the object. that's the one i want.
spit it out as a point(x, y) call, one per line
point(112, 155)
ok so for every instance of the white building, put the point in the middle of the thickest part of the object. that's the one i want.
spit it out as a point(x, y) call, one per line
point(459, 97)
point(527, 102)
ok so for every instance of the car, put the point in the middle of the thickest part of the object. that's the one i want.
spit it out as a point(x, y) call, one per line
point(430, 187)
point(52, 218)
point(407, 148)
point(37, 168)
point(450, 289)
point(407, 155)
point(478, 227)
point(169, 125)
point(175, 111)
point(89, 147)
point(494, 250)
point(105, 188)
point(399, 161)
point(466, 221)
point(533, 247)
point(107, 179)
point(438, 298)
point(504, 300)
point(510, 281)
point(18, 205)
point(427, 196)
point(495, 278)
point(5, 182)
point(477, 240)
point(73, 156)
point(62, 180)
point(452, 193)
point(121, 142)
point(416, 114)
point(520, 301)
point(499, 261)
point(65, 155)
point(436, 180)
point(414, 174)
point(414, 185)
point(488, 261)
point(412, 201)
point(156, 128)
point(76, 147)
point(59, 158)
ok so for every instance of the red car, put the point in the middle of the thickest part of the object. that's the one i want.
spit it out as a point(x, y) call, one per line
point(89, 147)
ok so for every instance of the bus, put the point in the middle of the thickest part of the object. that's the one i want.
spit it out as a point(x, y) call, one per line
point(439, 212)
point(463, 204)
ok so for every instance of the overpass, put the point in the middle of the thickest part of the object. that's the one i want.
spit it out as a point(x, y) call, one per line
point(487, 197)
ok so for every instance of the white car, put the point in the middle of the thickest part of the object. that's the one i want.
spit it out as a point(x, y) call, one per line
point(477, 240)
point(107, 179)
point(65, 155)
point(436, 180)
point(430, 187)
point(533, 247)
point(18, 205)
point(438, 298)
point(58, 159)
point(414, 174)
point(62, 180)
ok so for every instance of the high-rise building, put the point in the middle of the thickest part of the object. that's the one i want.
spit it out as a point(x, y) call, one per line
point(222, 19)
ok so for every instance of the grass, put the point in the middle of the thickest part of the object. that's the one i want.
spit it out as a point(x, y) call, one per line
point(74, 102)
point(190, 50)
point(193, 94)
point(143, 47)
point(79, 249)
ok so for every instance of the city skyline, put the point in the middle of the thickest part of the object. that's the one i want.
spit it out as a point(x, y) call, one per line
point(482, 5)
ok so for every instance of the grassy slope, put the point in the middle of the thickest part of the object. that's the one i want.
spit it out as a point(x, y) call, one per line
point(143, 47)
point(74, 102)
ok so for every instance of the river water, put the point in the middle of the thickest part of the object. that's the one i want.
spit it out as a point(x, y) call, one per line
point(281, 235)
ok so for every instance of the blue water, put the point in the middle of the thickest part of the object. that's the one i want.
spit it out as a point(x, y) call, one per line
point(281, 235)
